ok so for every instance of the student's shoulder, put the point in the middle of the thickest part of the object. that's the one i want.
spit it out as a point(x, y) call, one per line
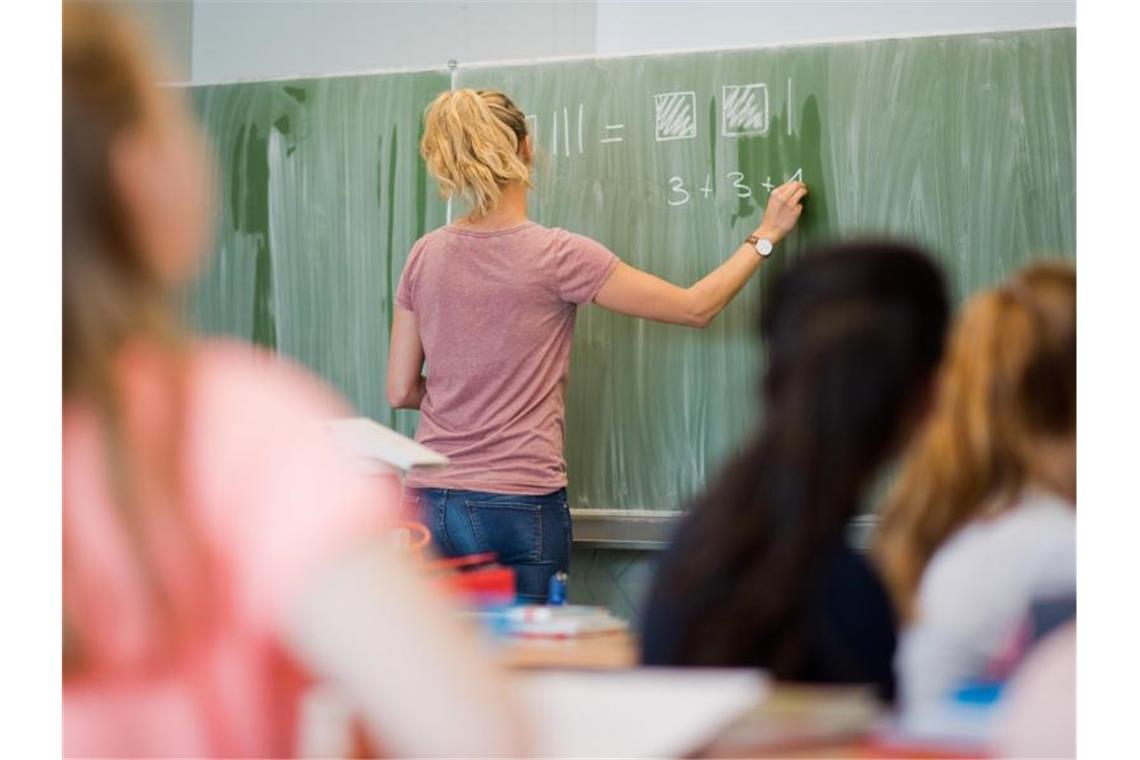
point(846, 562)
point(1031, 544)
point(1037, 523)
point(958, 565)
point(257, 425)
point(850, 576)
point(1040, 512)
point(247, 385)
point(259, 441)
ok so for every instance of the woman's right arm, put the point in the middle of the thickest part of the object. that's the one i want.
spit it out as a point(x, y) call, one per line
point(640, 294)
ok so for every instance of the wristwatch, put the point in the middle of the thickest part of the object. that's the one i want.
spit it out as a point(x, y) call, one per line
point(763, 246)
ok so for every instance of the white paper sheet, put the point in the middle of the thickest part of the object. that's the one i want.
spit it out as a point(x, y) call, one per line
point(374, 443)
point(642, 713)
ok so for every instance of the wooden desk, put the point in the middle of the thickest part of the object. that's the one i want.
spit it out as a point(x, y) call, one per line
point(611, 651)
point(793, 721)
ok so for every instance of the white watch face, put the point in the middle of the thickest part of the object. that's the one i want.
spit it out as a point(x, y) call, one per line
point(764, 247)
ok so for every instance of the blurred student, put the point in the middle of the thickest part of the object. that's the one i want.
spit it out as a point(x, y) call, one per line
point(1039, 709)
point(216, 552)
point(981, 523)
point(760, 572)
point(489, 302)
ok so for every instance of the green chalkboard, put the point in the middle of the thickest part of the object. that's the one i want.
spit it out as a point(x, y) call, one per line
point(965, 143)
point(321, 193)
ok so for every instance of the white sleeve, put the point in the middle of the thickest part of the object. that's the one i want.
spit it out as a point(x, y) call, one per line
point(929, 665)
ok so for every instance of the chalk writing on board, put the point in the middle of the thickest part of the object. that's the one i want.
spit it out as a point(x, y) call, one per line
point(788, 105)
point(612, 135)
point(580, 148)
point(561, 131)
point(676, 116)
point(742, 190)
point(734, 183)
point(744, 109)
point(677, 186)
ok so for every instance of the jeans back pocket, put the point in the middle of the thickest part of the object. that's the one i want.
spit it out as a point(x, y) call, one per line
point(511, 529)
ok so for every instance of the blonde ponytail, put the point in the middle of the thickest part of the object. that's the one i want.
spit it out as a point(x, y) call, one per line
point(471, 145)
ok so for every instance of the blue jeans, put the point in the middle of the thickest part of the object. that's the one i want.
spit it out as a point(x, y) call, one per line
point(528, 533)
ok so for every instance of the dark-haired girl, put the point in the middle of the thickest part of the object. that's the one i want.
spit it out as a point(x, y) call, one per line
point(760, 573)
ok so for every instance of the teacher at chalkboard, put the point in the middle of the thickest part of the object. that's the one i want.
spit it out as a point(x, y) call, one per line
point(489, 301)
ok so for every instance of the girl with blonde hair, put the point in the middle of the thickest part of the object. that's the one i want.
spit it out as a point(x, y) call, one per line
point(489, 302)
point(980, 523)
point(217, 552)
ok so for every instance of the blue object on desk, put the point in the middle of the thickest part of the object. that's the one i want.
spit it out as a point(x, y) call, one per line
point(557, 589)
point(979, 692)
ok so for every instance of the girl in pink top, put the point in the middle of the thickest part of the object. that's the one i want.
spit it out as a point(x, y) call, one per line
point(218, 554)
point(489, 302)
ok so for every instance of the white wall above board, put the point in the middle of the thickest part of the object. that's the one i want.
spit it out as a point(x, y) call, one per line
point(252, 40)
point(171, 26)
point(633, 26)
point(244, 39)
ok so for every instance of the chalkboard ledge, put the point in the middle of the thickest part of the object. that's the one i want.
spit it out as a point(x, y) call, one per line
point(644, 529)
point(650, 530)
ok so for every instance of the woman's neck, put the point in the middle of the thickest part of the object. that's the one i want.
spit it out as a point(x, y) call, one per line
point(511, 211)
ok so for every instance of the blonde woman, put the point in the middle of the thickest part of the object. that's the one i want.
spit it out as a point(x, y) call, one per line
point(489, 302)
point(981, 523)
point(217, 554)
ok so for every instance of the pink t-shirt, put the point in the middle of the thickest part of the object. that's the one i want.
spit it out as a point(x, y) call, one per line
point(270, 499)
point(496, 312)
